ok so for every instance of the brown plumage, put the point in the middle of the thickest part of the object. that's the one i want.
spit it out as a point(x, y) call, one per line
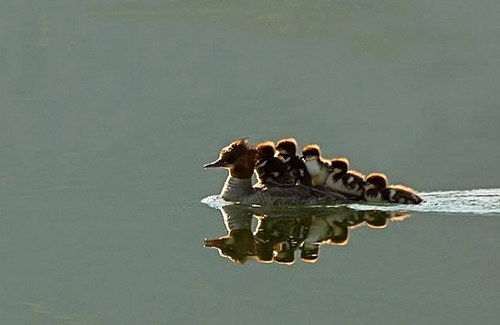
point(344, 180)
point(401, 194)
point(238, 157)
point(270, 170)
point(311, 150)
point(287, 146)
point(238, 186)
point(287, 152)
point(266, 150)
point(379, 180)
point(378, 190)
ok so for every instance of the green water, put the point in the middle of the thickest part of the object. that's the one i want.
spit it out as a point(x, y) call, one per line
point(110, 108)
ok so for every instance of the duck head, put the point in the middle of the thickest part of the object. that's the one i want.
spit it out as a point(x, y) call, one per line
point(239, 157)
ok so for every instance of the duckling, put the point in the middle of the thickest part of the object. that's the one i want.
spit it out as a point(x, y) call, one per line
point(316, 166)
point(318, 233)
point(378, 190)
point(271, 170)
point(287, 152)
point(374, 184)
point(276, 235)
point(344, 180)
point(402, 194)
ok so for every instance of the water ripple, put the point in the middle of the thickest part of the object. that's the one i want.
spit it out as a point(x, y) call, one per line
point(477, 201)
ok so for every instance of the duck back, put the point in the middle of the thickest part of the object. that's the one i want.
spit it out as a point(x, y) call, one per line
point(294, 195)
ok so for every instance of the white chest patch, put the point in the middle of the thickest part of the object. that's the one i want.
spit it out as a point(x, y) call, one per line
point(313, 167)
point(318, 172)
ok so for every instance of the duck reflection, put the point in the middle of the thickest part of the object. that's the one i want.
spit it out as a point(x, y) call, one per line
point(280, 232)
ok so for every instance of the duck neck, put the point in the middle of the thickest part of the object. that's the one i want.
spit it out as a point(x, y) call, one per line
point(236, 218)
point(237, 189)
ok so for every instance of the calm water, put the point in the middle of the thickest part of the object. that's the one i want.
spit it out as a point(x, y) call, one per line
point(110, 108)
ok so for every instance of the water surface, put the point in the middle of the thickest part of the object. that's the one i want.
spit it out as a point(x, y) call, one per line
point(110, 108)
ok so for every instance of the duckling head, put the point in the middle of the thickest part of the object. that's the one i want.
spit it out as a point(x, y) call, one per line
point(265, 150)
point(287, 147)
point(376, 181)
point(339, 165)
point(239, 157)
point(311, 152)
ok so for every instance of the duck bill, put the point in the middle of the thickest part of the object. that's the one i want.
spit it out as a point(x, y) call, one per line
point(219, 242)
point(215, 164)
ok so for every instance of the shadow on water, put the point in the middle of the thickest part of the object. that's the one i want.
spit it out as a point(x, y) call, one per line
point(280, 232)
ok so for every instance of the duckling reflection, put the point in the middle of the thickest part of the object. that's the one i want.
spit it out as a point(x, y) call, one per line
point(281, 232)
point(276, 238)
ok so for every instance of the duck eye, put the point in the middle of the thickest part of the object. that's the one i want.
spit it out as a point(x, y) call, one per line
point(227, 157)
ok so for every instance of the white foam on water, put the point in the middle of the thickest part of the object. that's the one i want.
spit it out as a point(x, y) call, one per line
point(477, 201)
point(215, 201)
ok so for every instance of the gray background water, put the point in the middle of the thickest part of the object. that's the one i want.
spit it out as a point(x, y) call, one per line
point(109, 109)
